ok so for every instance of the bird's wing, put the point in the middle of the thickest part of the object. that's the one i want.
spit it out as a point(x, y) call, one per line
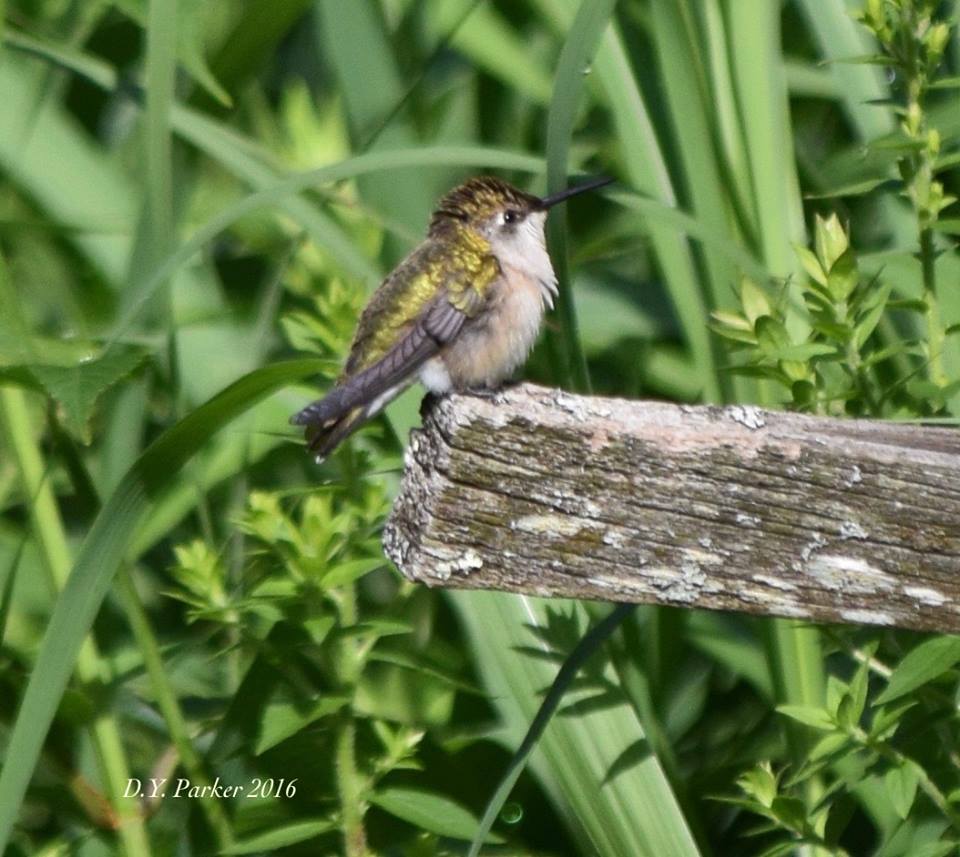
point(463, 292)
point(462, 269)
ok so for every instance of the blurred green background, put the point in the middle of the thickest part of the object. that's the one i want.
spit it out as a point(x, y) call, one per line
point(196, 195)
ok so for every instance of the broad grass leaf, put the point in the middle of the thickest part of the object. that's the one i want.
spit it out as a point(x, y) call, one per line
point(429, 811)
point(920, 666)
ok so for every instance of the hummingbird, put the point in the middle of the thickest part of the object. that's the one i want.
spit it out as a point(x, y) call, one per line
point(459, 313)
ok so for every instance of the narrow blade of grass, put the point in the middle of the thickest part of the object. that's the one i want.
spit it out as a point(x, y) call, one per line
point(582, 41)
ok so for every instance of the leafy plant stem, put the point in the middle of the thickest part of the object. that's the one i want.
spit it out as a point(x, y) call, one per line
point(926, 784)
point(350, 784)
point(349, 788)
point(934, 325)
point(51, 540)
point(170, 709)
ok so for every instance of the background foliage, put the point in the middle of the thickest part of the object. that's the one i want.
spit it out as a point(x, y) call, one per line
point(195, 194)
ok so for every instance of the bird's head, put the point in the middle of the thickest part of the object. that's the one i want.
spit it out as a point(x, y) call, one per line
point(511, 220)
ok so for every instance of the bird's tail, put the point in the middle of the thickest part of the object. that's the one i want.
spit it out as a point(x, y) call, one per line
point(330, 420)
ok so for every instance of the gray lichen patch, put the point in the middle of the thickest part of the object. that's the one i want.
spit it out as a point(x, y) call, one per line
point(852, 530)
point(849, 574)
point(926, 595)
point(551, 525)
point(868, 617)
point(747, 415)
point(445, 563)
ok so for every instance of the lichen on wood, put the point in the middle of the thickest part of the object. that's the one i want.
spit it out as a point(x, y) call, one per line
point(737, 508)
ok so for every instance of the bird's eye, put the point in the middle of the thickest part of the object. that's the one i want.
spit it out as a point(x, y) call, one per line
point(511, 216)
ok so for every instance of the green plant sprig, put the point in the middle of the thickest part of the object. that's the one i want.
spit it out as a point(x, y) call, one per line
point(912, 41)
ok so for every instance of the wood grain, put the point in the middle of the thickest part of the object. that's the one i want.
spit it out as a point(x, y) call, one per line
point(736, 508)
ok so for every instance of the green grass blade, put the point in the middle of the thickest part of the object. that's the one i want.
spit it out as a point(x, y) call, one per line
point(161, 68)
point(370, 90)
point(677, 51)
point(838, 37)
point(227, 149)
point(275, 193)
point(588, 646)
point(635, 811)
point(493, 45)
point(55, 165)
point(582, 41)
point(761, 88)
point(730, 140)
point(716, 240)
point(253, 39)
point(647, 169)
point(100, 556)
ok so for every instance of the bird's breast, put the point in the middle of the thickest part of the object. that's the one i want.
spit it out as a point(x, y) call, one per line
point(492, 345)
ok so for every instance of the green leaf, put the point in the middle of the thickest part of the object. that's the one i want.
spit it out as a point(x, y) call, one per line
point(858, 188)
point(429, 811)
point(866, 325)
point(754, 300)
point(859, 684)
point(419, 666)
point(831, 240)
point(921, 665)
point(347, 572)
point(772, 336)
point(75, 389)
point(948, 225)
point(759, 783)
point(901, 785)
point(281, 837)
point(827, 746)
point(804, 352)
point(101, 554)
point(790, 811)
point(844, 276)
point(908, 305)
point(809, 715)
point(810, 264)
point(946, 83)
point(283, 718)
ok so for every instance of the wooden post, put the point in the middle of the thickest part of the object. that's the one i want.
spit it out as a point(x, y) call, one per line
point(735, 508)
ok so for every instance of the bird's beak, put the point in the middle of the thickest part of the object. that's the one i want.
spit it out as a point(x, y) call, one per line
point(563, 195)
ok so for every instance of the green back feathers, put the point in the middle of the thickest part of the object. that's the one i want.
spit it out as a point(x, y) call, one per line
point(457, 265)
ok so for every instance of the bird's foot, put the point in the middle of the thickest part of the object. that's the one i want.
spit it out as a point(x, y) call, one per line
point(492, 394)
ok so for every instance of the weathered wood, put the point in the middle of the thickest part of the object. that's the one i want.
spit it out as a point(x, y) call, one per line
point(735, 508)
